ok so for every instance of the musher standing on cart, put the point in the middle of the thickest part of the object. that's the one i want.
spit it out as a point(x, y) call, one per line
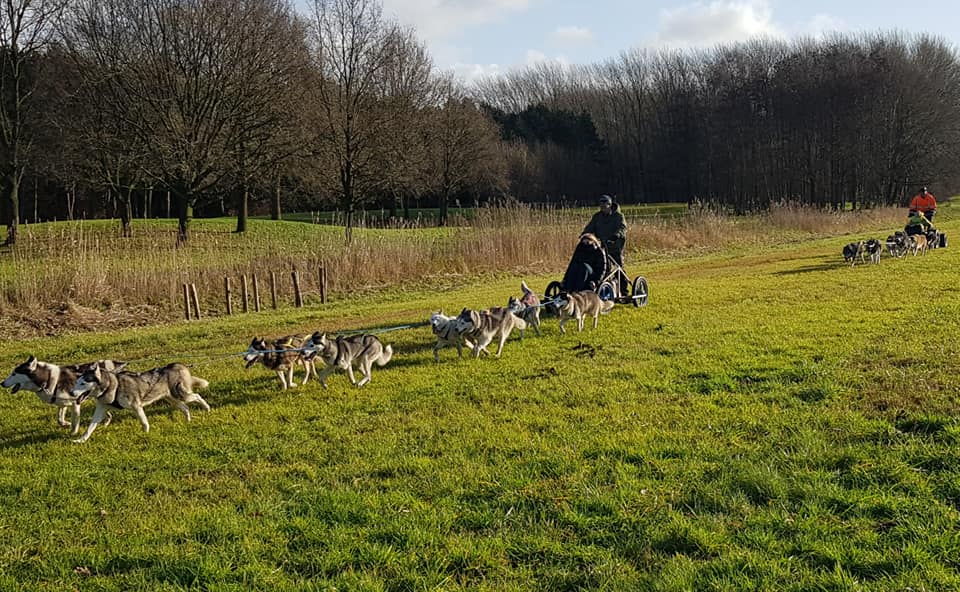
point(925, 203)
point(609, 226)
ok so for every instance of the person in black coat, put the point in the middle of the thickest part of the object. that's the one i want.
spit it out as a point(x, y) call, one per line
point(587, 266)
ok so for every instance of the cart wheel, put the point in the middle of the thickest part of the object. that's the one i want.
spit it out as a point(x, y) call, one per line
point(607, 292)
point(553, 290)
point(640, 291)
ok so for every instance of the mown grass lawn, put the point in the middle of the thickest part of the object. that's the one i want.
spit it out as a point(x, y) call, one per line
point(773, 420)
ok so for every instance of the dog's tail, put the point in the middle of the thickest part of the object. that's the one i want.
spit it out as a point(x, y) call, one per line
point(385, 356)
point(198, 383)
point(524, 287)
point(607, 306)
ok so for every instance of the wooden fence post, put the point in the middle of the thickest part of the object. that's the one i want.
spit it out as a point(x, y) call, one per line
point(226, 291)
point(322, 281)
point(273, 289)
point(244, 291)
point(196, 301)
point(256, 294)
point(297, 294)
point(186, 301)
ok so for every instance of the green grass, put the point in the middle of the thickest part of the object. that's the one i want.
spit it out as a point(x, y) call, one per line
point(773, 420)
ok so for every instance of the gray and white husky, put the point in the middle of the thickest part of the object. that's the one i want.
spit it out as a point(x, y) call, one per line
point(53, 385)
point(135, 390)
point(527, 307)
point(579, 306)
point(483, 325)
point(281, 356)
point(341, 353)
point(444, 328)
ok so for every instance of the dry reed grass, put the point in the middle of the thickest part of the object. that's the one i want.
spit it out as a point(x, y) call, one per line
point(81, 275)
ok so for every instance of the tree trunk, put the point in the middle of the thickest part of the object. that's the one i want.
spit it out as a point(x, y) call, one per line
point(243, 208)
point(126, 214)
point(184, 215)
point(12, 210)
point(348, 224)
point(444, 208)
point(275, 202)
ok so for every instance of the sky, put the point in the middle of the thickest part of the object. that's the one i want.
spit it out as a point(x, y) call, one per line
point(478, 37)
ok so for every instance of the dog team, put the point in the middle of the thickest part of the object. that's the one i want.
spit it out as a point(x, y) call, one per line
point(898, 244)
point(110, 385)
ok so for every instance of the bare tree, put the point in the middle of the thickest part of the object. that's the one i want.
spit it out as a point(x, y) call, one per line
point(351, 49)
point(463, 145)
point(26, 29)
point(406, 90)
point(176, 74)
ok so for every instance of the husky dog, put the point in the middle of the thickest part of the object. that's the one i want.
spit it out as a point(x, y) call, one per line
point(447, 335)
point(53, 384)
point(874, 248)
point(342, 352)
point(580, 305)
point(933, 239)
point(918, 244)
point(897, 244)
point(852, 252)
point(527, 308)
point(483, 325)
point(136, 390)
point(281, 356)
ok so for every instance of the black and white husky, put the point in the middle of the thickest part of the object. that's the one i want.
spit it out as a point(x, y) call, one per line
point(874, 248)
point(854, 251)
point(445, 330)
point(527, 307)
point(54, 384)
point(482, 326)
point(135, 390)
point(341, 353)
point(281, 356)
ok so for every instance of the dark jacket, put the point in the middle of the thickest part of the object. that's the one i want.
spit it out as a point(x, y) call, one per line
point(587, 267)
point(609, 228)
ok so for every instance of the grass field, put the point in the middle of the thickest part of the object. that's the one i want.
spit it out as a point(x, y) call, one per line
point(773, 420)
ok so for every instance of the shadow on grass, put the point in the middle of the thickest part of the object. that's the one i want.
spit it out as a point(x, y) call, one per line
point(825, 266)
point(14, 441)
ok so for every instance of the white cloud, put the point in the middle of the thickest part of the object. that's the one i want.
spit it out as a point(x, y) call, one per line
point(722, 21)
point(534, 56)
point(821, 24)
point(571, 36)
point(437, 20)
point(469, 73)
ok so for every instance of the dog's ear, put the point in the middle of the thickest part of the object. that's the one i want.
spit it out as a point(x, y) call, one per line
point(32, 363)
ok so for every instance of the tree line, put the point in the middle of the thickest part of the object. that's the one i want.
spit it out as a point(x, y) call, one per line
point(134, 108)
point(847, 120)
point(141, 108)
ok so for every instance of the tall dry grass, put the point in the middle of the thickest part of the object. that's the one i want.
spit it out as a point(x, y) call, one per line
point(78, 275)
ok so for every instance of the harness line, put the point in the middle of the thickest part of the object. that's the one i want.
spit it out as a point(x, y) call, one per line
point(210, 358)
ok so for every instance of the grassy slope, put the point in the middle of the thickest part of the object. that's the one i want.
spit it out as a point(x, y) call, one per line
point(773, 420)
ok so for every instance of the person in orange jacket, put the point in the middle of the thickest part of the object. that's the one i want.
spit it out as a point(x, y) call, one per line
point(924, 203)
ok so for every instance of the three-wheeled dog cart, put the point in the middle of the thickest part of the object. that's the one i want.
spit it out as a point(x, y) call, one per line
point(592, 268)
